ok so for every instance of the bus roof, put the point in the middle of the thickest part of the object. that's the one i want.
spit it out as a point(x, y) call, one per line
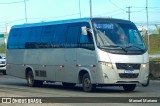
point(70, 21)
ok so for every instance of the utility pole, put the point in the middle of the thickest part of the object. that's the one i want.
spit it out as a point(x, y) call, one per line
point(25, 10)
point(147, 24)
point(90, 3)
point(80, 8)
point(129, 12)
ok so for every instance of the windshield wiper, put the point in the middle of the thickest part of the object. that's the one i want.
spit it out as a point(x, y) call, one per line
point(135, 47)
point(116, 46)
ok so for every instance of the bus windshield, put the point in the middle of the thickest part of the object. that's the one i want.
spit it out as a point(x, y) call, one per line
point(118, 36)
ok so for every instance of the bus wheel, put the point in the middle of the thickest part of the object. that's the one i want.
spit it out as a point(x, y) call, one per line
point(145, 85)
point(86, 83)
point(129, 87)
point(31, 82)
point(65, 84)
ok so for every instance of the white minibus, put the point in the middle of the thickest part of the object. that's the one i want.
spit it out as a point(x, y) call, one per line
point(89, 51)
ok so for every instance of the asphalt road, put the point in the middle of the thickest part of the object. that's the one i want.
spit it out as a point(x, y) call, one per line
point(16, 87)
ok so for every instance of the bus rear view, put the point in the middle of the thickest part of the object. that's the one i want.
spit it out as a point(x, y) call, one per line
point(88, 51)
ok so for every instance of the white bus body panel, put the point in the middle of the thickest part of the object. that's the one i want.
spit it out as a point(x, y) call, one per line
point(69, 62)
point(111, 75)
point(49, 60)
point(87, 59)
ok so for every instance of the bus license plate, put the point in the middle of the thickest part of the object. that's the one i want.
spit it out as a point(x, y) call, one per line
point(128, 71)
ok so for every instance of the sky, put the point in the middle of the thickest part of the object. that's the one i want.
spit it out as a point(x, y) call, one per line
point(13, 11)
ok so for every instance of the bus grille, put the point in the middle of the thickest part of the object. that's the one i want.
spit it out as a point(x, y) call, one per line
point(128, 66)
point(128, 75)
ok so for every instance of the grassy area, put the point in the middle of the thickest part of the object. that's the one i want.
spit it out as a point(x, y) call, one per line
point(154, 44)
point(155, 59)
point(3, 48)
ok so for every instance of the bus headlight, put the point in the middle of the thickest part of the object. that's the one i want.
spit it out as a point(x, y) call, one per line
point(106, 64)
point(145, 65)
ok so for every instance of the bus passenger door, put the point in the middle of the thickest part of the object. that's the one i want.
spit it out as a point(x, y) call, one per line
point(86, 56)
point(71, 53)
point(70, 65)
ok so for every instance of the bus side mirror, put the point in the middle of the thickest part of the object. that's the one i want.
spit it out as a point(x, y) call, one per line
point(84, 30)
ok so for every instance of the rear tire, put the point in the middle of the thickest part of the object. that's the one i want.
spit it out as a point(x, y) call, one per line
point(86, 83)
point(31, 82)
point(129, 87)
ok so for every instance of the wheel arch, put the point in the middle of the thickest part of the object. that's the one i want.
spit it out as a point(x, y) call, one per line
point(28, 68)
point(81, 73)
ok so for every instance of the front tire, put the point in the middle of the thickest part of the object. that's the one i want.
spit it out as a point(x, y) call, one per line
point(31, 82)
point(86, 83)
point(145, 85)
point(129, 87)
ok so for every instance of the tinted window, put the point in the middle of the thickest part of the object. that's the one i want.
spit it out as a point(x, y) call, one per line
point(86, 39)
point(24, 37)
point(35, 34)
point(47, 34)
point(72, 35)
point(60, 34)
point(13, 38)
point(34, 38)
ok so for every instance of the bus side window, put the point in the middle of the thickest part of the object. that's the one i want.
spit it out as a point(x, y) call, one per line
point(34, 38)
point(86, 41)
point(24, 37)
point(47, 34)
point(59, 36)
point(46, 37)
point(13, 39)
point(72, 36)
